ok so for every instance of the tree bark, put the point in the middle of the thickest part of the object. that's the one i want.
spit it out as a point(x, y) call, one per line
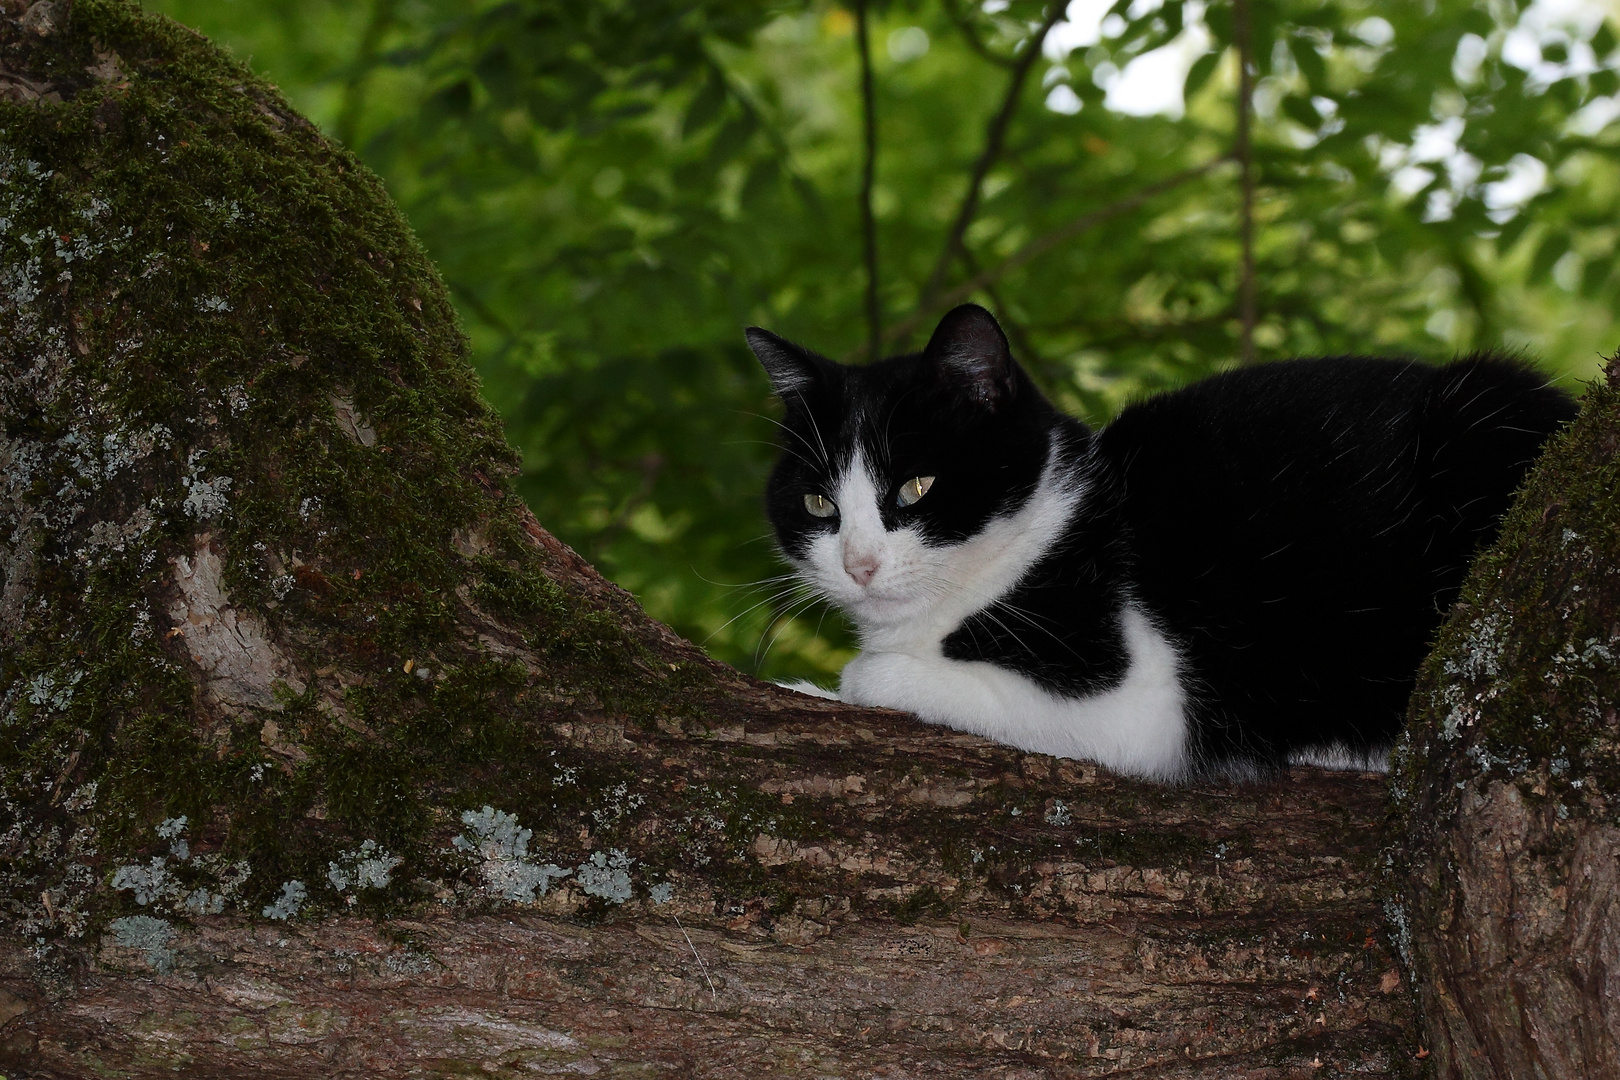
point(319, 756)
point(1505, 799)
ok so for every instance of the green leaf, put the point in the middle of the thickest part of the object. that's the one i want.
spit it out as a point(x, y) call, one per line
point(1476, 19)
point(1309, 60)
point(706, 105)
point(762, 180)
point(1550, 250)
point(1393, 244)
point(1174, 17)
point(1301, 112)
point(1199, 73)
point(1512, 231)
point(1595, 275)
point(733, 136)
point(1603, 40)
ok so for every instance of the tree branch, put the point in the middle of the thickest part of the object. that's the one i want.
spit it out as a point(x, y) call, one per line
point(1245, 156)
point(1042, 244)
point(995, 137)
point(954, 12)
point(874, 312)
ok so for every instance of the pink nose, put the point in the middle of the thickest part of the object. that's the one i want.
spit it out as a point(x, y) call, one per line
point(861, 569)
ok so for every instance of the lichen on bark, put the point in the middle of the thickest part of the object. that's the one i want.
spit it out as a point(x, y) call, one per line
point(1506, 808)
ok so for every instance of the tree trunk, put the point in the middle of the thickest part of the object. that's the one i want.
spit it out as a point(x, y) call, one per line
point(319, 756)
point(1507, 795)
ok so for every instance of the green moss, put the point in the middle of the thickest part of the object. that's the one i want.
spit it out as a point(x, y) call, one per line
point(226, 335)
point(922, 903)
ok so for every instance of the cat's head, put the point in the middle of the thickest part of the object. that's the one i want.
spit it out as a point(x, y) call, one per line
point(894, 475)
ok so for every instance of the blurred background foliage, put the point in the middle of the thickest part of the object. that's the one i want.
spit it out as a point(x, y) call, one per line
point(614, 188)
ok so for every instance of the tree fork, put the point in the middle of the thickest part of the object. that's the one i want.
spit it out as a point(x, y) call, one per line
point(320, 756)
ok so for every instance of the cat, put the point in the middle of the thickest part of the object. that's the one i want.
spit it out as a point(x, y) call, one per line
point(1227, 578)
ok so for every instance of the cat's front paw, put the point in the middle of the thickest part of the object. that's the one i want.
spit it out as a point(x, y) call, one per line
point(881, 679)
point(935, 689)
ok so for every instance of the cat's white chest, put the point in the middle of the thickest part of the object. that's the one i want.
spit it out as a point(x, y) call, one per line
point(1137, 727)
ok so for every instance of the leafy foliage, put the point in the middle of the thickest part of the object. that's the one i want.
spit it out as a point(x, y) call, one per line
point(614, 189)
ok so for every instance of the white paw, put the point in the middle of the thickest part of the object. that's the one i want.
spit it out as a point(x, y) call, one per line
point(884, 680)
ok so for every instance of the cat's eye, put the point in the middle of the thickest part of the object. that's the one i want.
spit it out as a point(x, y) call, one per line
point(820, 506)
point(914, 489)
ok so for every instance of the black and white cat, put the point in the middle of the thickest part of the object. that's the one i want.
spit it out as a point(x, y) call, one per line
point(1228, 577)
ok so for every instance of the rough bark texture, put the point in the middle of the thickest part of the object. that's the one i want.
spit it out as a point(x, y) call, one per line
point(1507, 795)
point(318, 756)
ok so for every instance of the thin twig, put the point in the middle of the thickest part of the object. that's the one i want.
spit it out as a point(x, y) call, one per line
point(995, 137)
point(874, 313)
point(1042, 244)
point(954, 12)
point(701, 965)
point(1245, 156)
point(382, 17)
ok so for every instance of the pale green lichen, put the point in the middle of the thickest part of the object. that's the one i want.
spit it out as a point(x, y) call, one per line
point(176, 883)
point(606, 875)
point(502, 845)
point(148, 883)
point(367, 867)
point(289, 903)
point(174, 830)
point(151, 937)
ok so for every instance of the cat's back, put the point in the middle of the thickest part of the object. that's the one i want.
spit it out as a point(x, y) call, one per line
point(1243, 412)
point(1365, 431)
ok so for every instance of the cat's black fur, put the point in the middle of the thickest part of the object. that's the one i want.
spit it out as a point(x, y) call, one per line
point(1339, 503)
point(1296, 529)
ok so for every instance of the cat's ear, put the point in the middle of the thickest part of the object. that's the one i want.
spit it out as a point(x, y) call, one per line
point(792, 370)
point(972, 353)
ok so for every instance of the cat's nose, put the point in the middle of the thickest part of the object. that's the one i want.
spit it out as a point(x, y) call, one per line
point(860, 568)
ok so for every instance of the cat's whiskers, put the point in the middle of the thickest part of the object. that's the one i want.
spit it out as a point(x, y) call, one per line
point(988, 612)
point(785, 618)
point(1035, 622)
point(815, 429)
point(821, 454)
point(772, 599)
point(746, 584)
point(772, 445)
